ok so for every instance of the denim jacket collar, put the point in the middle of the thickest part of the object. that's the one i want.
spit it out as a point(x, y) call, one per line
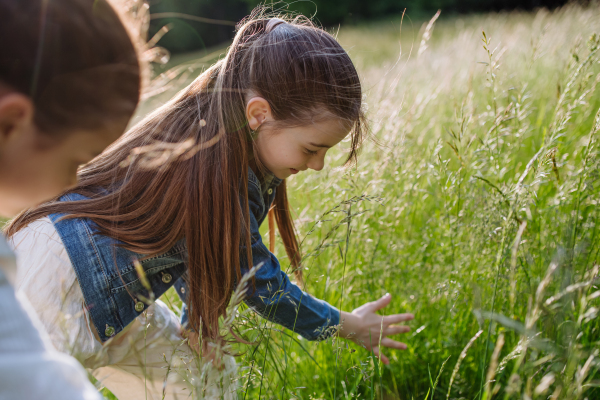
point(269, 181)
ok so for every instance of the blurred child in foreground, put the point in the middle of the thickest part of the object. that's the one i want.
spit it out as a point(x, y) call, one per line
point(70, 80)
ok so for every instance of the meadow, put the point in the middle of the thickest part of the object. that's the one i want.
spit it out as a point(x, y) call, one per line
point(475, 204)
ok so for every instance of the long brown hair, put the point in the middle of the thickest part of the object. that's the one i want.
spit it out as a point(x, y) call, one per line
point(182, 172)
point(78, 60)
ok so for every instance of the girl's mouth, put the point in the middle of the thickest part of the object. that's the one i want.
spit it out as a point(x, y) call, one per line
point(294, 171)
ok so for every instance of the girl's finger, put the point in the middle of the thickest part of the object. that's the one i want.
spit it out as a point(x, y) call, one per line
point(381, 303)
point(397, 318)
point(392, 344)
point(395, 330)
point(381, 356)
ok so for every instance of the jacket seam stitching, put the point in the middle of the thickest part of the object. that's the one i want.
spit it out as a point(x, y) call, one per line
point(105, 276)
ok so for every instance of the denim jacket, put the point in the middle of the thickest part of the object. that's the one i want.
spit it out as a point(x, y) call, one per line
point(115, 296)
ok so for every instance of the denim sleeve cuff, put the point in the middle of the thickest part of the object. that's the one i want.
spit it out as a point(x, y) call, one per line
point(330, 328)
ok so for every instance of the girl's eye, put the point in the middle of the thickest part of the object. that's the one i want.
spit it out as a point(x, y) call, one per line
point(311, 152)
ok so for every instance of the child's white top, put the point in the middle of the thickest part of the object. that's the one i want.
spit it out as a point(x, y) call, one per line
point(46, 277)
point(30, 368)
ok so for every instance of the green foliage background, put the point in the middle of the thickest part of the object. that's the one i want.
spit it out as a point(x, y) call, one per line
point(188, 35)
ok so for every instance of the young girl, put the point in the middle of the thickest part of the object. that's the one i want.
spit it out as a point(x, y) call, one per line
point(185, 192)
point(69, 83)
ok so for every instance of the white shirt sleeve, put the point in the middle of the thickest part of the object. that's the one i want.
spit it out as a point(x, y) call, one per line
point(30, 368)
point(47, 278)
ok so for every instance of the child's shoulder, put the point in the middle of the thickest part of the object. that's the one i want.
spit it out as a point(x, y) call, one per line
point(31, 237)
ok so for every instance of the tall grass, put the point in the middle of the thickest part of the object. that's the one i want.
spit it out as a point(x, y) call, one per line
point(478, 211)
point(484, 224)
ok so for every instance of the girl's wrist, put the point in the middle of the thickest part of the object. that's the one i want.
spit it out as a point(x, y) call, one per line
point(348, 325)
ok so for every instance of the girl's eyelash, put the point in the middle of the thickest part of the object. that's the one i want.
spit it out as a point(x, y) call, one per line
point(312, 152)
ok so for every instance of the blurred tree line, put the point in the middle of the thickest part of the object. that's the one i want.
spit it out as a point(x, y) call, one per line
point(191, 33)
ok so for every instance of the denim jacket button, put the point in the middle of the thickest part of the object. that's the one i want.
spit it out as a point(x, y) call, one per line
point(270, 191)
point(182, 290)
point(166, 278)
point(109, 331)
point(139, 306)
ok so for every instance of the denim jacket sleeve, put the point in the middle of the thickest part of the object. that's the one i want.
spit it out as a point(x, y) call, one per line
point(275, 297)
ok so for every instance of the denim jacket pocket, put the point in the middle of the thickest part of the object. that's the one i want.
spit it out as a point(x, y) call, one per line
point(127, 276)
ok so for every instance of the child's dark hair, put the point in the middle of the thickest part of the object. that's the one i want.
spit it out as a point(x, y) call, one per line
point(202, 147)
point(75, 59)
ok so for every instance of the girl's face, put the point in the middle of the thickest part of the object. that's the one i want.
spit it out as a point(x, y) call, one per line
point(287, 151)
point(34, 166)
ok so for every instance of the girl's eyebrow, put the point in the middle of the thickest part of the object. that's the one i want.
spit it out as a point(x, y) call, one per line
point(319, 145)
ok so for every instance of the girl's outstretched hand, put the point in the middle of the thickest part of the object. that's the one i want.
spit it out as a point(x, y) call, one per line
point(370, 330)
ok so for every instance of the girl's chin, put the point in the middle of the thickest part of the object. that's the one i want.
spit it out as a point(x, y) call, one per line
point(282, 174)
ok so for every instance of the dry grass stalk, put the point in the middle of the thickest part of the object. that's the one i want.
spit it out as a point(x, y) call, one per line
point(427, 33)
point(462, 355)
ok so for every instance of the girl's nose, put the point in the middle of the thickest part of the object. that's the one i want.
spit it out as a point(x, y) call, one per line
point(317, 162)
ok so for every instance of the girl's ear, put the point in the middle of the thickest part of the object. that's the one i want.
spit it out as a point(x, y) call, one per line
point(16, 116)
point(258, 111)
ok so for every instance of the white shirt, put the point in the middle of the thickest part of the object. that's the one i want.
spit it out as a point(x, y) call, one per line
point(30, 368)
